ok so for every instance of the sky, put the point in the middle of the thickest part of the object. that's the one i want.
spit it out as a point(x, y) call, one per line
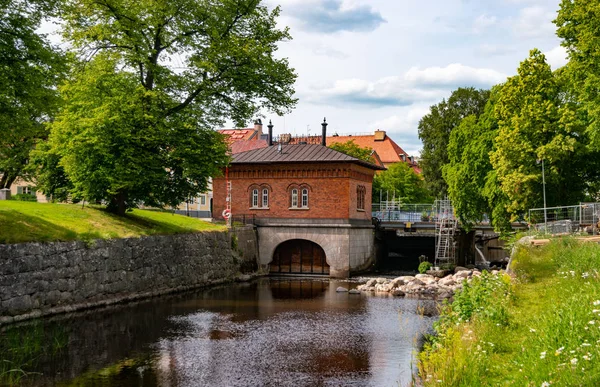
point(380, 64)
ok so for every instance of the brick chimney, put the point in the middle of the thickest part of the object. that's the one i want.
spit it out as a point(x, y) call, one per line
point(258, 127)
point(379, 135)
point(270, 126)
point(324, 134)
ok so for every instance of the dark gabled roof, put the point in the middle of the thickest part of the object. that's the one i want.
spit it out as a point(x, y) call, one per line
point(307, 153)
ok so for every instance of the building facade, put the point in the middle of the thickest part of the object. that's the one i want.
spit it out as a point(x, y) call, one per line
point(311, 205)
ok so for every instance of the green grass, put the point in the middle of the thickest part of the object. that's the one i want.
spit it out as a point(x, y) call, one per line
point(543, 328)
point(45, 222)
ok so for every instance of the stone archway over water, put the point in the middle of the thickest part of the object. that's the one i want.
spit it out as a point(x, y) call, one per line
point(299, 256)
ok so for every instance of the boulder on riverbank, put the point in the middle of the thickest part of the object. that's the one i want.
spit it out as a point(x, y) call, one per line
point(422, 284)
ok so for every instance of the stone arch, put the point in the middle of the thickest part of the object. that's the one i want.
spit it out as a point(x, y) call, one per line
point(299, 256)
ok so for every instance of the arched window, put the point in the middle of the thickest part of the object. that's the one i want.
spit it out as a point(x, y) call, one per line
point(304, 198)
point(265, 198)
point(295, 198)
point(360, 197)
point(255, 197)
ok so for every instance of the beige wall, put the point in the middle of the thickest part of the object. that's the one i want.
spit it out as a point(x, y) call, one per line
point(20, 186)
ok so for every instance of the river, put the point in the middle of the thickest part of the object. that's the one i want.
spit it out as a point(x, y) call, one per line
point(270, 332)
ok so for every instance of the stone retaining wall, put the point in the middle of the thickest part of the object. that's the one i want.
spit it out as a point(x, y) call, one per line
point(38, 279)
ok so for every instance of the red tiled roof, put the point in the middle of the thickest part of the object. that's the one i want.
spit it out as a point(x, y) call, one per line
point(233, 135)
point(387, 149)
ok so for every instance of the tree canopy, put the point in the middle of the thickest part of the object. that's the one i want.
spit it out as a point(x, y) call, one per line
point(352, 149)
point(401, 182)
point(30, 68)
point(151, 81)
point(435, 129)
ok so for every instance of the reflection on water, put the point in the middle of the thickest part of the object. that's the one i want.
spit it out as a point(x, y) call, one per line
point(270, 332)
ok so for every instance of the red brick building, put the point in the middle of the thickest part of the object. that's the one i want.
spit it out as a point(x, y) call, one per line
point(309, 201)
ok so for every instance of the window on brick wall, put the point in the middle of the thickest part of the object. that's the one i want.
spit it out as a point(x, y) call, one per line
point(259, 196)
point(305, 198)
point(254, 200)
point(361, 193)
point(299, 196)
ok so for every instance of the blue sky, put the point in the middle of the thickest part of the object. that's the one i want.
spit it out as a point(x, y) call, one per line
point(380, 64)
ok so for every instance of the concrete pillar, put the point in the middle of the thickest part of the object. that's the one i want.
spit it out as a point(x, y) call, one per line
point(5, 194)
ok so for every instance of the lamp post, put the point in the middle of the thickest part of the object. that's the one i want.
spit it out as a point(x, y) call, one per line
point(544, 192)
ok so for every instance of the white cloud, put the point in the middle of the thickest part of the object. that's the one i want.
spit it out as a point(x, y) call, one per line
point(557, 57)
point(495, 49)
point(534, 22)
point(405, 124)
point(416, 85)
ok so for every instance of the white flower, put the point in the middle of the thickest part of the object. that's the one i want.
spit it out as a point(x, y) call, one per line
point(585, 275)
point(574, 361)
point(558, 351)
point(532, 330)
point(586, 345)
point(592, 322)
point(545, 384)
point(543, 355)
point(597, 302)
point(596, 311)
point(586, 357)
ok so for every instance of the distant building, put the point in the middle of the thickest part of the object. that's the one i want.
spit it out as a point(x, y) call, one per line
point(388, 151)
point(312, 206)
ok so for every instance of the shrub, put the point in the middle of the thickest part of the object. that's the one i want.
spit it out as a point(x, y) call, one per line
point(424, 266)
point(24, 197)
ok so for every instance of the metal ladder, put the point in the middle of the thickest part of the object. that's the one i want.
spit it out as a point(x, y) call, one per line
point(446, 226)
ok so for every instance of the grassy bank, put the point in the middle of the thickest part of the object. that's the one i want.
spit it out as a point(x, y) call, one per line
point(45, 222)
point(540, 328)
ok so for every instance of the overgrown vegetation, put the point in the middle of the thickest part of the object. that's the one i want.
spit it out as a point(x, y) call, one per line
point(22, 347)
point(540, 329)
point(44, 222)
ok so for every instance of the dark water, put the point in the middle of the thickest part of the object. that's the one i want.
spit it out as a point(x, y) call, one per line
point(273, 332)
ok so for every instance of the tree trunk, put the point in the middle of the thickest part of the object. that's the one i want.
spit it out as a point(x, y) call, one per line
point(118, 203)
point(7, 180)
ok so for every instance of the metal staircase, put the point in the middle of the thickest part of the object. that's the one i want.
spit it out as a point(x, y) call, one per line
point(445, 228)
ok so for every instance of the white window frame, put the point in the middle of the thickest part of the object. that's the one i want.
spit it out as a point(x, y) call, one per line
point(255, 198)
point(304, 198)
point(265, 198)
point(202, 200)
point(294, 198)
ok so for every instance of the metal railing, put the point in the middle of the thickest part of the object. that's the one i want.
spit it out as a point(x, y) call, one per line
point(566, 219)
point(399, 212)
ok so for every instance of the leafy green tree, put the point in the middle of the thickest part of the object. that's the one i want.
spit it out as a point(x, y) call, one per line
point(435, 129)
point(155, 77)
point(352, 149)
point(401, 181)
point(29, 71)
point(469, 173)
point(578, 23)
point(538, 120)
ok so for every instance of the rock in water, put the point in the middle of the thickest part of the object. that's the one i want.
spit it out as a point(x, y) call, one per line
point(353, 291)
point(341, 289)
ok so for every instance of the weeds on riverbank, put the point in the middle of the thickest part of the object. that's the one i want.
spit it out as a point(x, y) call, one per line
point(541, 330)
point(22, 347)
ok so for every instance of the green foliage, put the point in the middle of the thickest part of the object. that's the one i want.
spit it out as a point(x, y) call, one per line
point(44, 222)
point(404, 182)
point(424, 266)
point(544, 329)
point(578, 24)
point(351, 149)
point(469, 172)
point(30, 68)
point(536, 121)
point(435, 129)
point(134, 128)
point(24, 197)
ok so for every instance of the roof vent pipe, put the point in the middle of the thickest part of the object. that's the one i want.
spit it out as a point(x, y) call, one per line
point(324, 135)
point(270, 126)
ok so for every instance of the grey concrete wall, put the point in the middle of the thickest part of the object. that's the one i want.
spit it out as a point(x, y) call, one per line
point(348, 249)
point(45, 278)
